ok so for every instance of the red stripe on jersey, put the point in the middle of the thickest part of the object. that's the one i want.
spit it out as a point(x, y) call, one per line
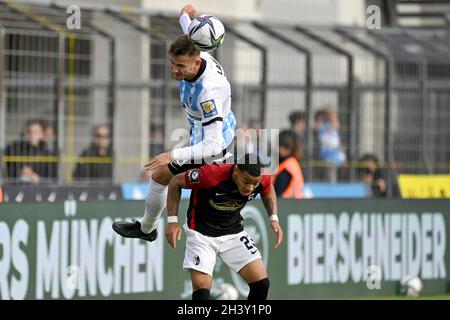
point(192, 222)
point(266, 184)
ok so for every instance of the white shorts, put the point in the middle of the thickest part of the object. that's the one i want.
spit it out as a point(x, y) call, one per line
point(236, 250)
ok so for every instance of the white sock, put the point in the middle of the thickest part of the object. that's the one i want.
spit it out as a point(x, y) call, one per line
point(155, 202)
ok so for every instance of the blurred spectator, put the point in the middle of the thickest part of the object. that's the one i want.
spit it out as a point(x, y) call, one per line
point(32, 144)
point(98, 166)
point(49, 135)
point(393, 188)
point(330, 149)
point(288, 179)
point(369, 172)
point(317, 123)
point(298, 125)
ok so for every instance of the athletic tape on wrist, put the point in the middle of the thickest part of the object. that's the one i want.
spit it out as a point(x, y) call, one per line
point(171, 219)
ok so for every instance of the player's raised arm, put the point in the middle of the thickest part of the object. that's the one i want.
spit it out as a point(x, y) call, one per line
point(186, 16)
point(270, 203)
point(173, 201)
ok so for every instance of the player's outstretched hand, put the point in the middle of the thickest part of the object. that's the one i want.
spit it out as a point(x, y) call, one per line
point(173, 233)
point(278, 232)
point(159, 161)
point(190, 10)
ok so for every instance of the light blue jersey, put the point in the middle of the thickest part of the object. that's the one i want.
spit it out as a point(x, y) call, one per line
point(207, 99)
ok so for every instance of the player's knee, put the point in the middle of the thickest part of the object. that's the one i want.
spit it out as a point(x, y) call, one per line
point(201, 294)
point(259, 290)
point(161, 176)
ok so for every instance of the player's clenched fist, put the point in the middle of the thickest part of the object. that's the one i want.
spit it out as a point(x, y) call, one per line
point(190, 10)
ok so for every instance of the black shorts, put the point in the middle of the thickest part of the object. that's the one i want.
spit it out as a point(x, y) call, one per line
point(176, 168)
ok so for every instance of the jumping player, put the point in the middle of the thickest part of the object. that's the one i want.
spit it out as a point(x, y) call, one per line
point(206, 98)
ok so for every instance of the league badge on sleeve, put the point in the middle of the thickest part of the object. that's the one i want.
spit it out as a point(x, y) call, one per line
point(194, 176)
point(209, 108)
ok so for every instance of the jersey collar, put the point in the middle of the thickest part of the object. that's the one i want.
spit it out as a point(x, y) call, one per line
point(200, 71)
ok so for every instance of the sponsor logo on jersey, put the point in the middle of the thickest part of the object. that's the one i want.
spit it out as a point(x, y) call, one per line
point(230, 205)
point(190, 115)
point(194, 176)
point(209, 108)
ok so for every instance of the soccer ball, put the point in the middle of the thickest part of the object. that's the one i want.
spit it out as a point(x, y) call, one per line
point(206, 32)
point(226, 291)
point(411, 286)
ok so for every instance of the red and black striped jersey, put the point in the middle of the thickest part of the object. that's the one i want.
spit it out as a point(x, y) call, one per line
point(215, 203)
